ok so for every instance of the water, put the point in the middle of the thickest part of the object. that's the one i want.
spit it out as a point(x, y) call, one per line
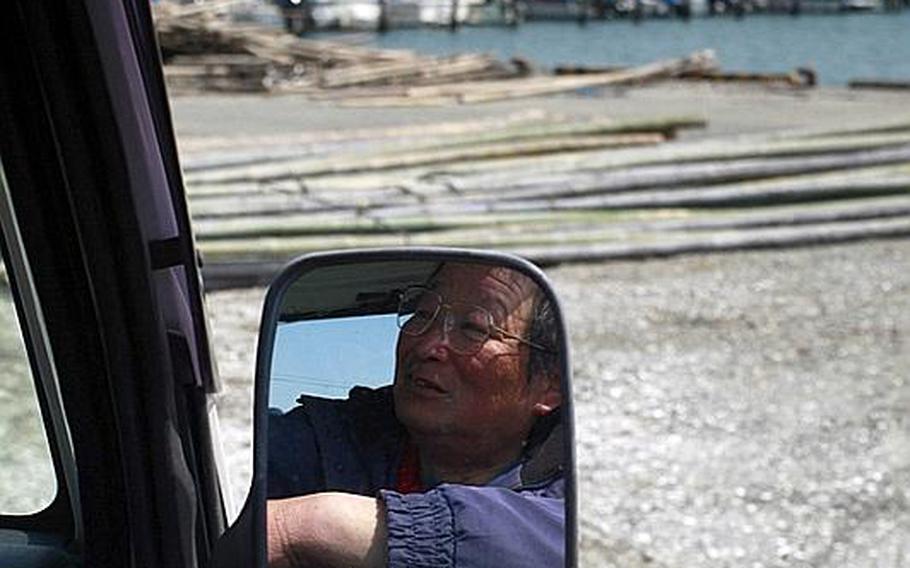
point(840, 47)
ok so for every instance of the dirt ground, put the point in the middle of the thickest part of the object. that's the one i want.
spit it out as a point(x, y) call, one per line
point(729, 110)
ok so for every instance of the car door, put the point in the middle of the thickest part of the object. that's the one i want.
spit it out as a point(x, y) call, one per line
point(98, 242)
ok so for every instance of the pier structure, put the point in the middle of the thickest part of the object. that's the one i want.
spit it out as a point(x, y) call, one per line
point(301, 16)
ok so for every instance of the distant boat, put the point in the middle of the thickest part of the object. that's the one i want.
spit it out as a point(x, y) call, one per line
point(555, 10)
point(861, 5)
point(344, 14)
point(368, 14)
point(818, 6)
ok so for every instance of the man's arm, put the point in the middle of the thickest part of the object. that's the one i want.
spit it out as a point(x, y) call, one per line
point(464, 526)
point(458, 526)
point(327, 530)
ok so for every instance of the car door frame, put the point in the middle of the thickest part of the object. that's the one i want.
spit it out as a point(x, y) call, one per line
point(91, 164)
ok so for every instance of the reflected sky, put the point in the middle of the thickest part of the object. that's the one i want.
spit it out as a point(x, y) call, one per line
point(325, 357)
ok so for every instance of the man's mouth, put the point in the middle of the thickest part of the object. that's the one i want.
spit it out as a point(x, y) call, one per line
point(421, 383)
point(423, 379)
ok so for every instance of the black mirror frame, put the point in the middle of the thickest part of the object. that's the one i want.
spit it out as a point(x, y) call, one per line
point(268, 326)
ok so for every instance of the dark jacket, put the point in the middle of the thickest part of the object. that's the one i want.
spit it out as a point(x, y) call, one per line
point(355, 445)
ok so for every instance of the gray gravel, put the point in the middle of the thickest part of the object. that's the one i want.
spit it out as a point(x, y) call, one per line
point(744, 409)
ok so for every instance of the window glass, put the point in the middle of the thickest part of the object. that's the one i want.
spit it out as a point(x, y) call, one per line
point(737, 408)
point(27, 481)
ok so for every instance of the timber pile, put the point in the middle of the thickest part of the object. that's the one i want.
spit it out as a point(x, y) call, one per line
point(550, 188)
point(204, 51)
point(884, 84)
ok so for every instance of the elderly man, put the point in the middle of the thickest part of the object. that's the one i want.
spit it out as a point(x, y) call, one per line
point(462, 472)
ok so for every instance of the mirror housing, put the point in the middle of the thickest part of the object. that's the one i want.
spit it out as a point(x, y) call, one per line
point(343, 277)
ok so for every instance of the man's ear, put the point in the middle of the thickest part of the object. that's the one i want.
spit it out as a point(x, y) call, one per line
point(549, 397)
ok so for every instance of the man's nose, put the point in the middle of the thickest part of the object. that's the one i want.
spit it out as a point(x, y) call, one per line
point(437, 339)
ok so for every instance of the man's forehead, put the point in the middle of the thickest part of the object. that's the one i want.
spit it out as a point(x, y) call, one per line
point(484, 284)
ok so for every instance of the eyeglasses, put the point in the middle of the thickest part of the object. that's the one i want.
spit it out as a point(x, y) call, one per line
point(467, 326)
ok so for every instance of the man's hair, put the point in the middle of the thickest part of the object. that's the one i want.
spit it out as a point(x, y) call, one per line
point(544, 364)
point(543, 331)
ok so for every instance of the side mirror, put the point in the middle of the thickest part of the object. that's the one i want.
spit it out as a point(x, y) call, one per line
point(431, 387)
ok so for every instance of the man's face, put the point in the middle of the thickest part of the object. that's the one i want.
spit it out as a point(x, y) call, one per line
point(484, 399)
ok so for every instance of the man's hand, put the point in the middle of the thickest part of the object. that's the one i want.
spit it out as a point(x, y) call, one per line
point(327, 530)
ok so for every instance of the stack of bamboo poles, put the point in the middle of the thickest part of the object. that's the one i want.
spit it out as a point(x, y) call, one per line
point(547, 187)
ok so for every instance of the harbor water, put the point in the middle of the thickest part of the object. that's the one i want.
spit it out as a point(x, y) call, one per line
point(839, 46)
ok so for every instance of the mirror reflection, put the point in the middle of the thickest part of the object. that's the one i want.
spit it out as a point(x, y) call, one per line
point(415, 418)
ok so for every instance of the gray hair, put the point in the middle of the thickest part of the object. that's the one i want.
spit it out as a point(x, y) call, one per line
point(544, 331)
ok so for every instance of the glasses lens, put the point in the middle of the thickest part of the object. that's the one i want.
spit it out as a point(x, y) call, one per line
point(417, 309)
point(469, 327)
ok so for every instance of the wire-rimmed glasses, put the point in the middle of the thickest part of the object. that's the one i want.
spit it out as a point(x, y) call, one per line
point(467, 326)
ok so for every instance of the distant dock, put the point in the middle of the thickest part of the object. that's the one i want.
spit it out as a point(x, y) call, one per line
point(301, 16)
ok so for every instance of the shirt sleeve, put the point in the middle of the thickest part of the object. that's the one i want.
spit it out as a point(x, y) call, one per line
point(463, 526)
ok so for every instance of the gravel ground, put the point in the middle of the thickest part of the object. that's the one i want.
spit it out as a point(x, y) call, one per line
point(730, 110)
point(744, 409)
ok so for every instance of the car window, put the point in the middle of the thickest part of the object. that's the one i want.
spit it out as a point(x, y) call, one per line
point(735, 407)
point(27, 481)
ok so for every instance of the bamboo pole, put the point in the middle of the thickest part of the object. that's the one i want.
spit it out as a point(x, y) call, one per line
point(292, 170)
point(400, 70)
point(487, 91)
point(764, 238)
point(277, 248)
point(676, 153)
point(436, 213)
point(260, 270)
point(726, 195)
point(246, 142)
point(502, 132)
point(691, 174)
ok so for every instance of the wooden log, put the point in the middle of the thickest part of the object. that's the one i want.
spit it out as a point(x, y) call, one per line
point(764, 238)
point(698, 151)
point(880, 84)
point(541, 241)
point(399, 70)
point(801, 77)
point(273, 172)
point(667, 127)
point(498, 132)
point(729, 196)
point(789, 215)
point(225, 272)
point(469, 177)
point(509, 171)
point(436, 214)
point(196, 145)
point(484, 91)
point(725, 195)
point(701, 174)
point(895, 125)
point(799, 142)
point(283, 205)
point(595, 224)
point(641, 74)
point(712, 197)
